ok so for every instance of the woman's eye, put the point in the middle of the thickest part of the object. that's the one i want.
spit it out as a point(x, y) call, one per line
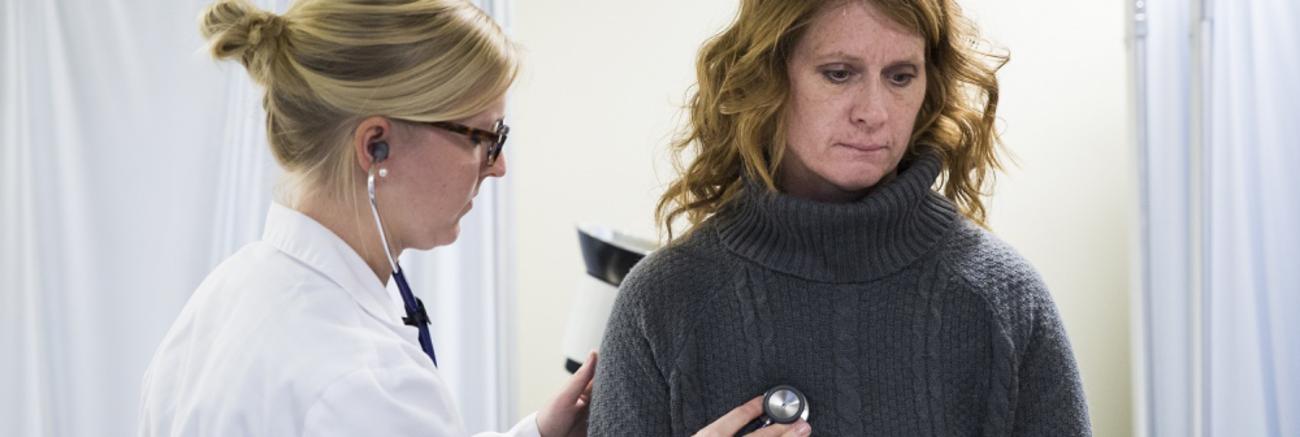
point(837, 75)
point(902, 79)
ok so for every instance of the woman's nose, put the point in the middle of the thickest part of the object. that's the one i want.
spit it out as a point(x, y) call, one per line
point(498, 168)
point(869, 109)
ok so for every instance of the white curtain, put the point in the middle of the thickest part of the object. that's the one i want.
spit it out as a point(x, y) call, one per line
point(1221, 217)
point(130, 164)
point(1253, 210)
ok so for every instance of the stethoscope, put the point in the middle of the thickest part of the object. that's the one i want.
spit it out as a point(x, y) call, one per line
point(415, 313)
point(781, 404)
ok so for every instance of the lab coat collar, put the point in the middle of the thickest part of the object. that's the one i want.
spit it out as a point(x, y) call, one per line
point(306, 240)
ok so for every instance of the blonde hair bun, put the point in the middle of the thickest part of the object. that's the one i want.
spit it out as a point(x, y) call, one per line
point(238, 30)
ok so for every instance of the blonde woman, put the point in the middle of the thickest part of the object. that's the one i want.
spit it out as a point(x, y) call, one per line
point(386, 116)
point(819, 255)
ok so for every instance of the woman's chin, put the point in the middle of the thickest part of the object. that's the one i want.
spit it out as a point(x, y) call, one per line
point(439, 238)
point(858, 181)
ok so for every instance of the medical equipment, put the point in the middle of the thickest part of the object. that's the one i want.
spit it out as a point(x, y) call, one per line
point(781, 404)
point(608, 256)
point(415, 314)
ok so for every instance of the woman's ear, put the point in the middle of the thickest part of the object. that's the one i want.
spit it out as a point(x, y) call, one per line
point(371, 141)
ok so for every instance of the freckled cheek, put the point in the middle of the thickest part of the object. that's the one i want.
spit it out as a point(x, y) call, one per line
point(905, 113)
point(901, 116)
point(469, 179)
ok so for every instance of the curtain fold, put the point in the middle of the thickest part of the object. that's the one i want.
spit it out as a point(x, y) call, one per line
point(1164, 78)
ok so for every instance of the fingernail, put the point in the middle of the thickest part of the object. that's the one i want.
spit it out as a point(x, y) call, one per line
point(803, 428)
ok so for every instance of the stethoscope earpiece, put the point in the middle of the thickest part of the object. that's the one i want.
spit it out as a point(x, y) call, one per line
point(378, 151)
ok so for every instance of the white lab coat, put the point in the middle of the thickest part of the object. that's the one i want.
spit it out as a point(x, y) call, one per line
point(294, 335)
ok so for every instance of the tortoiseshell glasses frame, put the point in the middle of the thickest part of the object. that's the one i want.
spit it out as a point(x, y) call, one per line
point(496, 138)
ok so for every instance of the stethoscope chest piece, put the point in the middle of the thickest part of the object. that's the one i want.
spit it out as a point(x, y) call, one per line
point(781, 404)
point(785, 404)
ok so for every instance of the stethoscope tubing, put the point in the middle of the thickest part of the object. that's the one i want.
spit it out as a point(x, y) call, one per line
point(416, 314)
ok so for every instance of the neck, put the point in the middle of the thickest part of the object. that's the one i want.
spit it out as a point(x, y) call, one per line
point(817, 189)
point(355, 225)
point(858, 241)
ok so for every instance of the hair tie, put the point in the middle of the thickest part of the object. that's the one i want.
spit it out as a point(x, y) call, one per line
point(265, 28)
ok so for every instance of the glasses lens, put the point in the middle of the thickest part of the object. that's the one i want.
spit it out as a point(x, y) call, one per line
point(494, 151)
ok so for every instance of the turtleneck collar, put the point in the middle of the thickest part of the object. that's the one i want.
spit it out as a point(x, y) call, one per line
point(889, 228)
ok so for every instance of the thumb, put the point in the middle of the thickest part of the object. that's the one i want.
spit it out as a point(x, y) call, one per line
point(580, 380)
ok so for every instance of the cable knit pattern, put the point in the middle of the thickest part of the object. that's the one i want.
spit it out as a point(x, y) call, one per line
point(894, 315)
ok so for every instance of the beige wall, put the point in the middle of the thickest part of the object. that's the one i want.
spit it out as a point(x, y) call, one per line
point(1066, 204)
point(593, 110)
point(600, 96)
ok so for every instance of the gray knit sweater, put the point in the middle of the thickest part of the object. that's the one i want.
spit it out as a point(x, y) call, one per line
point(894, 316)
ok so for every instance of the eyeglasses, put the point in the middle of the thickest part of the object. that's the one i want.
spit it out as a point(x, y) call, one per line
point(496, 137)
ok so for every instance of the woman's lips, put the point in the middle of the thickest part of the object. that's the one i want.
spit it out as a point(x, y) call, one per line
point(861, 147)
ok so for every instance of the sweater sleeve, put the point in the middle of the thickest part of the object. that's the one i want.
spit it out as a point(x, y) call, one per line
point(1050, 395)
point(630, 394)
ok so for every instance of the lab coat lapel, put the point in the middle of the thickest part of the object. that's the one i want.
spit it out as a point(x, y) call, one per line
point(311, 243)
